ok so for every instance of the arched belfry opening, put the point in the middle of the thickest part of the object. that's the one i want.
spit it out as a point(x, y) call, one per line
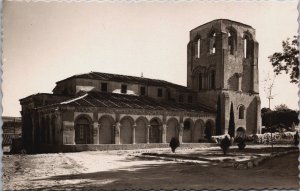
point(211, 41)
point(248, 45)
point(232, 39)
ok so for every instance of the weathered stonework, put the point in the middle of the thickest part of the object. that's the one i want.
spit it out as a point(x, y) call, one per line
point(86, 110)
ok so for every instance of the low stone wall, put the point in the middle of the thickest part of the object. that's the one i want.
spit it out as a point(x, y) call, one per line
point(106, 147)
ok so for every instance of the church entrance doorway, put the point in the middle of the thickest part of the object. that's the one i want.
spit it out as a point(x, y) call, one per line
point(82, 131)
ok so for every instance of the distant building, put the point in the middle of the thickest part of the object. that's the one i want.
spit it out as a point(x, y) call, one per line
point(100, 108)
point(12, 129)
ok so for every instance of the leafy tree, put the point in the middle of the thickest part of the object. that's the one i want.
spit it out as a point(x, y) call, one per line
point(231, 129)
point(279, 119)
point(281, 107)
point(218, 117)
point(287, 60)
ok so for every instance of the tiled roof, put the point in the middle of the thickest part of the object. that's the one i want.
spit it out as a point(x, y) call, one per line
point(127, 79)
point(112, 100)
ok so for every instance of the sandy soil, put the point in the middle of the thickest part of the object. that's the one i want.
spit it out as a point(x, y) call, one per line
point(121, 169)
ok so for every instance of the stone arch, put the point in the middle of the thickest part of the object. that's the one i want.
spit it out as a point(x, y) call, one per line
point(172, 129)
point(211, 75)
point(155, 130)
point(141, 130)
point(83, 129)
point(248, 44)
point(232, 39)
point(209, 128)
point(106, 129)
point(197, 46)
point(198, 130)
point(241, 132)
point(126, 124)
point(199, 77)
point(187, 130)
point(211, 36)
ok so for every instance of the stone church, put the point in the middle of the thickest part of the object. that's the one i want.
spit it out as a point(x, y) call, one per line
point(109, 110)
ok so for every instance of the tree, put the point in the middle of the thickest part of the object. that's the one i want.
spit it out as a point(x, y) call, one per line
point(225, 144)
point(287, 60)
point(174, 143)
point(281, 107)
point(269, 84)
point(231, 129)
point(218, 117)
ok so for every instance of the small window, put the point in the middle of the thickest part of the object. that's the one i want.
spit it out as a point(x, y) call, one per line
point(245, 48)
point(198, 48)
point(214, 49)
point(241, 112)
point(181, 98)
point(159, 92)
point(124, 89)
point(143, 91)
point(190, 99)
point(103, 87)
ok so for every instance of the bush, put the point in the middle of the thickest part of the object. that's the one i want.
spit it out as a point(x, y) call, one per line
point(296, 139)
point(174, 143)
point(240, 142)
point(225, 144)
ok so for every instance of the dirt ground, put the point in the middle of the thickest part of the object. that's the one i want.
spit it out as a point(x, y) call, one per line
point(121, 169)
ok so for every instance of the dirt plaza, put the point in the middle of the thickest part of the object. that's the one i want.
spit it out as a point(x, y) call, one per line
point(129, 169)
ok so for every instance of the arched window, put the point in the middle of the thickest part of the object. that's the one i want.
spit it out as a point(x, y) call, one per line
point(231, 40)
point(212, 43)
point(241, 112)
point(198, 48)
point(247, 45)
point(213, 79)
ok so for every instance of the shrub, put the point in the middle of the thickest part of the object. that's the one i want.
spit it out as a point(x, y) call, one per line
point(225, 144)
point(174, 143)
point(296, 139)
point(240, 142)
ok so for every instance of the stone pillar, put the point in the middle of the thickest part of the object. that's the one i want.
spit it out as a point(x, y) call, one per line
point(225, 113)
point(133, 133)
point(164, 133)
point(148, 134)
point(180, 132)
point(239, 81)
point(96, 128)
point(258, 116)
point(117, 133)
point(59, 129)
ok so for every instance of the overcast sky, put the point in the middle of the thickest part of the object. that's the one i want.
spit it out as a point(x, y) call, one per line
point(47, 42)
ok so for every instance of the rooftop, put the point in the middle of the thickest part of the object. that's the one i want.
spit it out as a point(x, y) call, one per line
point(127, 79)
point(220, 20)
point(112, 100)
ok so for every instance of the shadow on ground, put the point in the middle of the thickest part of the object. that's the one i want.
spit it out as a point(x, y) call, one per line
point(281, 172)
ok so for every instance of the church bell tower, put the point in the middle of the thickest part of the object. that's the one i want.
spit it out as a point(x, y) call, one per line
point(223, 62)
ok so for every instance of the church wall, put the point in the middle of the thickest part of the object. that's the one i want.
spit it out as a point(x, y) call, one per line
point(133, 129)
